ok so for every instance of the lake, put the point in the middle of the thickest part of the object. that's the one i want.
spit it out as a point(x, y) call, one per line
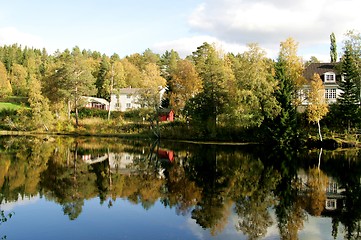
point(109, 188)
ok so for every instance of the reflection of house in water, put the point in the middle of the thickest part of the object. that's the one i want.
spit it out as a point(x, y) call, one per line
point(130, 163)
point(334, 197)
point(333, 192)
point(122, 162)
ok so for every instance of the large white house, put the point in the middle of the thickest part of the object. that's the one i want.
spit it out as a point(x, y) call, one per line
point(124, 99)
point(330, 78)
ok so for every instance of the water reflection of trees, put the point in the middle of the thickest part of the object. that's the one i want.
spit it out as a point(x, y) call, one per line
point(207, 182)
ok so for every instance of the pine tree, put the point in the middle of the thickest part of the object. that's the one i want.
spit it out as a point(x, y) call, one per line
point(104, 67)
point(212, 101)
point(283, 127)
point(348, 100)
point(289, 68)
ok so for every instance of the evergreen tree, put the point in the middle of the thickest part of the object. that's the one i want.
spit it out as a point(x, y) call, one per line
point(206, 106)
point(70, 81)
point(104, 67)
point(288, 73)
point(282, 129)
point(348, 100)
point(333, 48)
point(353, 44)
point(169, 62)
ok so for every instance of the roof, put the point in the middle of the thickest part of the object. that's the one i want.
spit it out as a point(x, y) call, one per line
point(129, 90)
point(95, 99)
point(164, 110)
point(320, 68)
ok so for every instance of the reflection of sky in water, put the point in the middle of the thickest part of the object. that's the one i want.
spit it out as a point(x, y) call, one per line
point(319, 228)
point(9, 206)
point(37, 218)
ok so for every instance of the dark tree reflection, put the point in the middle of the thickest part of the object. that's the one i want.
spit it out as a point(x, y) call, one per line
point(212, 184)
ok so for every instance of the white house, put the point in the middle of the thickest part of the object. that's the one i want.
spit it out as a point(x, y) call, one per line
point(330, 78)
point(124, 99)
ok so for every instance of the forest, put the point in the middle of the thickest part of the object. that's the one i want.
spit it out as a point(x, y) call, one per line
point(215, 95)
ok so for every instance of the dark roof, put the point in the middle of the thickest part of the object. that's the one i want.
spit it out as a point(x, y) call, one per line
point(129, 90)
point(320, 68)
point(164, 110)
point(96, 100)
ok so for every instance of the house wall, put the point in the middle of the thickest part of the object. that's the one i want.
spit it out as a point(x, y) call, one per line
point(122, 102)
point(328, 89)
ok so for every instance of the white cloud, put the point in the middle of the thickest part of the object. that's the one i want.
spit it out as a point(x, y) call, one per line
point(9, 206)
point(10, 35)
point(269, 22)
point(185, 46)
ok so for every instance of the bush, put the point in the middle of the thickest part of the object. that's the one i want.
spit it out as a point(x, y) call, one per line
point(8, 117)
point(97, 113)
point(138, 115)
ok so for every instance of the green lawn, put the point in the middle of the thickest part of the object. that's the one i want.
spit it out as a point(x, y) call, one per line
point(11, 106)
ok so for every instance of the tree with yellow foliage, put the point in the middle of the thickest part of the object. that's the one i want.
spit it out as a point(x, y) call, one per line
point(5, 86)
point(317, 107)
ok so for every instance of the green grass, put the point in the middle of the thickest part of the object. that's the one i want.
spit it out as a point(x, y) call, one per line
point(10, 106)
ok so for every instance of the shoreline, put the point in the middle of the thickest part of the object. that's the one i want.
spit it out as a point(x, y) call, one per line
point(331, 143)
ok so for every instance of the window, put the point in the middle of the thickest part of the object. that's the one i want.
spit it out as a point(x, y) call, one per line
point(332, 187)
point(331, 204)
point(330, 77)
point(129, 105)
point(330, 93)
point(129, 95)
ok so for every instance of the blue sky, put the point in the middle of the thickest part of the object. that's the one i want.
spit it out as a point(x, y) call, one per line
point(126, 27)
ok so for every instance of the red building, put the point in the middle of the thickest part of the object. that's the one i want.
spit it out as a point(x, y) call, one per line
point(166, 115)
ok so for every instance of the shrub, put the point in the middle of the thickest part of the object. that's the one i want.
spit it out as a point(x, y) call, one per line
point(97, 113)
point(138, 115)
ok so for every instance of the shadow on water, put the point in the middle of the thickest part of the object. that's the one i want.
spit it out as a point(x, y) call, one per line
point(210, 183)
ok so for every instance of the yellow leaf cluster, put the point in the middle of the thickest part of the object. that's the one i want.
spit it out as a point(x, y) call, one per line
point(317, 107)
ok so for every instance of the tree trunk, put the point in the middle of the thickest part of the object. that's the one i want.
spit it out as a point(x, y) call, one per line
point(69, 110)
point(76, 117)
point(76, 107)
point(319, 130)
point(109, 108)
point(111, 91)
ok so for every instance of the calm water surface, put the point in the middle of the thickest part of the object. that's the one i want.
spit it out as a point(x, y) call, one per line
point(92, 188)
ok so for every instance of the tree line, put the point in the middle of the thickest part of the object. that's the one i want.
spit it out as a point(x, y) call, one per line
point(209, 89)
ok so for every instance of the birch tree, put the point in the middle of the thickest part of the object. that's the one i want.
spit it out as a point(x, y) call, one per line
point(255, 87)
point(185, 84)
point(317, 107)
